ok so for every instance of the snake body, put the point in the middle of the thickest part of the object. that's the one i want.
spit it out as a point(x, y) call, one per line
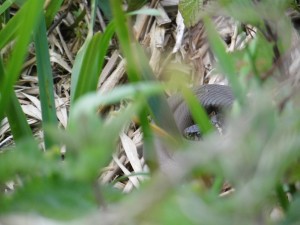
point(213, 97)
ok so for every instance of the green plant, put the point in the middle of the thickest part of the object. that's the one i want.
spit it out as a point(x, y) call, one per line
point(258, 156)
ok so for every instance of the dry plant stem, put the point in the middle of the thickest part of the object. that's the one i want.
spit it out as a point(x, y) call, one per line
point(134, 180)
point(156, 44)
point(108, 68)
point(250, 30)
point(158, 130)
point(29, 63)
point(179, 32)
point(128, 187)
point(101, 20)
point(65, 47)
point(131, 151)
point(114, 78)
point(60, 19)
point(141, 33)
point(108, 176)
point(163, 19)
point(7, 139)
point(165, 63)
point(233, 38)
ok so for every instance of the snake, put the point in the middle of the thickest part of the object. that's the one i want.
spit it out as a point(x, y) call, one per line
point(213, 98)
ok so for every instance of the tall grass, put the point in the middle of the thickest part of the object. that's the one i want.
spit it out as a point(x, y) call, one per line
point(258, 156)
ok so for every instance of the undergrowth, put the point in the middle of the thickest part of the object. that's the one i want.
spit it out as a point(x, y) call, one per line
point(258, 157)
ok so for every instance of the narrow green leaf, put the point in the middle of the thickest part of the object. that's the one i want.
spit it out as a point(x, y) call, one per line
point(10, 29)
point(16, 118)
point(104, 5)
point(6, 5)
point(88, 104)
point(198, 112)
point(76, 70)
point(93, 17)
point(20, 2)
point(138, 68)
point(2, 73)
point(91, 62)
point(125, 39)
point(158, 105)
point(45, 78)
point(225, 62)
point(28, 22)
point(135, 4)
point(51, 11)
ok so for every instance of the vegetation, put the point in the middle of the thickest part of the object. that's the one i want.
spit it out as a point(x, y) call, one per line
point(87, 111)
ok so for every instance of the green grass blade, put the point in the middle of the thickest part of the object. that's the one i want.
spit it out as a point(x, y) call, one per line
point(104, 5)
point(2, 73)
point(125, 39)
point(198, 112)
point(10, 29)
point(45, 78)
point(92, 62)
point(51, 11)
point(138, 68)
point(77, 68)
point(28, 22)
point(88, 104)
point(6, 5)
point(225, 61)
point(17, 120)
point(93, 17)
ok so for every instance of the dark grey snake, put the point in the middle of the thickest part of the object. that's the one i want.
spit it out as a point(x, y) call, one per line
point(213, 97)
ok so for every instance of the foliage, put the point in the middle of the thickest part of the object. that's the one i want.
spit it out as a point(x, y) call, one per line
point(258, 156)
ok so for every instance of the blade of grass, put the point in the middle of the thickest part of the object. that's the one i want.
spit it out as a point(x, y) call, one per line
point(91, 63)
point(6, 5)
point(93, 17)
point(16, 118)
point(198, 112)
point(224, 60)
point(45, 79)
point(76, 70)
point(51, 10)
point(282, 197)
point(104, 5)
point(138, 67)
point(81, 69)
point(89, 71)
point(89, 103)
point(10, 29)
point(125, 39)
point(28, 22)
